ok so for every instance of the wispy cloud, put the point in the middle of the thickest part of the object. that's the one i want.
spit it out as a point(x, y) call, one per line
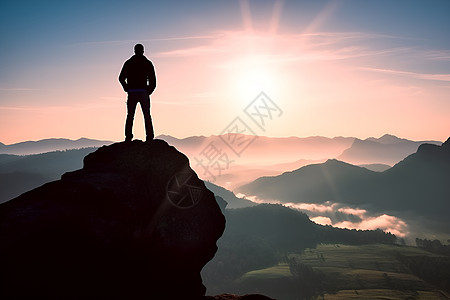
point(126, 42)
point(438, 55)
point(193, 51)
point(112, 98)
point(19, 89)
point(62, 107)
point(19, 108)
point(288, 48)
point(353, 211)
point(415, 75)
point(319, 208)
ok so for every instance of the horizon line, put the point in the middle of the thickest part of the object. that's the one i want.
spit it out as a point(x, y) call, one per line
point(216, 135)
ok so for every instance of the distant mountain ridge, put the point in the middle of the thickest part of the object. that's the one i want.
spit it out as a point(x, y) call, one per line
point(228, 196)
point(20, 173)
point(49, 145)
point(387, 139)
point(265, 156)
point(387, 149)
point(266, 150)
point(316, 183)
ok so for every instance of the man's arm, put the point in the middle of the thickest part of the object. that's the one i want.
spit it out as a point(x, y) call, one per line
point(123, 77)
point(151, 79)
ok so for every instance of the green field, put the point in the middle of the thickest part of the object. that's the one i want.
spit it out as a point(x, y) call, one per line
point(346, 272)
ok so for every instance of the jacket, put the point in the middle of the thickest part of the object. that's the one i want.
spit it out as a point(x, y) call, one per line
point(138, 73)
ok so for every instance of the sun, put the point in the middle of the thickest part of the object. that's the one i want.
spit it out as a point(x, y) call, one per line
point(254, 74)
point(252, 62)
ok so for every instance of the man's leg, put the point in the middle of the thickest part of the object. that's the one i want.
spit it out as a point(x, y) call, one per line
point(145, 106)
point(131, 109)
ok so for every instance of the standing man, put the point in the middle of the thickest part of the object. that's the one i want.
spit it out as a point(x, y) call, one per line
point(138, 79)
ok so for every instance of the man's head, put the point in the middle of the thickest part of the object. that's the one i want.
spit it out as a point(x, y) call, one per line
point(139, 49)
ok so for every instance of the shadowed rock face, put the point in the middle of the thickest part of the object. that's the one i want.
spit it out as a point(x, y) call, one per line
point(237, 297)
point(134, 223)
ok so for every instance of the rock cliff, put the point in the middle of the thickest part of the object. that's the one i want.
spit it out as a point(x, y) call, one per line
point(134, 223)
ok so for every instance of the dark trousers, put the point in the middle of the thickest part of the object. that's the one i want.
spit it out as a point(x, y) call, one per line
point(133, 99)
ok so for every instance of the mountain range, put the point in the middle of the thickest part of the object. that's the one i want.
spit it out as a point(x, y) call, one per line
point(416, 187)
point(23, 165)
point(263, 151)
point(20, 173)
point(49, 145)
point(387, 150)
point(268, 156)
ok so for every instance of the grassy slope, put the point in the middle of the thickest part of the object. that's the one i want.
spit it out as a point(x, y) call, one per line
point(353, 272)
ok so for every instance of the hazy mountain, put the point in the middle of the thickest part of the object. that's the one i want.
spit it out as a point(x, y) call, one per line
point(417, 186)
point(421, 182)
point(6, 158)
point(51, 164)
point(264, 156)
point(238, 175)
point(21, 173)
point(48, 145)
point(228, 196)
point(268, 156)
point(193, 141)
point(294, 165)
point(317, 183)
point(387, 149)
point(376, 167)
point(265, 150)
point(15, 183)
point(387, 139)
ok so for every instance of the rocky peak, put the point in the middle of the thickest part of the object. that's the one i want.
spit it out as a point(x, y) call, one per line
point(135, 222)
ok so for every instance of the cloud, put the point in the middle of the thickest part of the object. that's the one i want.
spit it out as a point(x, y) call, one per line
point(353, 211)
point(20, 108)
point(322, 220)
point(125, 42)
point(17, 89)
point(342, 216)
point(436, 55)
point(415, 75)
point(193, 51)
point(226, 49)
point(112, 98)
point(319, 208)
point(384, 222)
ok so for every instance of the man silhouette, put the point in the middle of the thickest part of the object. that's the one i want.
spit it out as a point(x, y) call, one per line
point(138, 79)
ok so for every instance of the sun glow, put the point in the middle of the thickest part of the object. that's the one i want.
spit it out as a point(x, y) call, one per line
point(255, 75)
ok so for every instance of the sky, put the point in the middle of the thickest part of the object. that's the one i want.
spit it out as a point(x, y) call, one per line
point(328, 68)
